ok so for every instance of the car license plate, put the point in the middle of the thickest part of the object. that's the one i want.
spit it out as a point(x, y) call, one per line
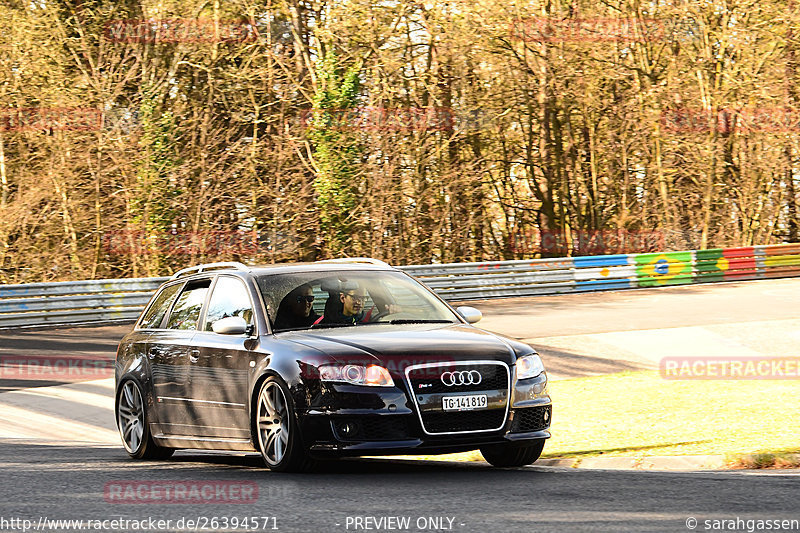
point(464, 403)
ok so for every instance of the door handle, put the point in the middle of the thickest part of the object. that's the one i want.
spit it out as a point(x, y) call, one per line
point(194, 355)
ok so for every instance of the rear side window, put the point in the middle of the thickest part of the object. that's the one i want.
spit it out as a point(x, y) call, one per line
point(186, 312)
point(153, 317)
point(230, 298)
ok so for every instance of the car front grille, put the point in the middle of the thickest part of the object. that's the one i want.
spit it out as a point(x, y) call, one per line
point(531, 419)
point(428, 390)
point(428, 380)
point(462, 421)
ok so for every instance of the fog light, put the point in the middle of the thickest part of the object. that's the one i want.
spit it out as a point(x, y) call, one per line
point(348, 429)
point(546, 416)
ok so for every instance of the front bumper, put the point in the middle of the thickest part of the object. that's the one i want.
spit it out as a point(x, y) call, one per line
point(369, 421)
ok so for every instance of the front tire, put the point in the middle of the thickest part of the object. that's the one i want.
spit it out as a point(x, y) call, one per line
point(511, 455)
point(133, 426)
point(277, 431)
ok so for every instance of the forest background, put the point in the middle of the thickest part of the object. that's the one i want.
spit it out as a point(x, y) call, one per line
point(141, 136)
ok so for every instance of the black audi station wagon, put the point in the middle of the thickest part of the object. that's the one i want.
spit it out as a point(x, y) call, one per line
point(325, 359)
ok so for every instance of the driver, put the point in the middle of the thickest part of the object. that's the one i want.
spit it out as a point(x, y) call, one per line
point(352, 298)
point(296, 309)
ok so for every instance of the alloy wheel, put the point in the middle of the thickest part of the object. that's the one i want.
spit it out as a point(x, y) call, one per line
point(273, 423)
point(130, 417)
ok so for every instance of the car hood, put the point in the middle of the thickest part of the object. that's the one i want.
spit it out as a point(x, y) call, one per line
point(399, 346)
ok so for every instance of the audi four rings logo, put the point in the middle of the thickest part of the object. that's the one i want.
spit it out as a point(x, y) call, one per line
point(462, 377)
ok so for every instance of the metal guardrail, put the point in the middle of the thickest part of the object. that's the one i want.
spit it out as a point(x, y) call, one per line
point(75, 302)
point(104, 301)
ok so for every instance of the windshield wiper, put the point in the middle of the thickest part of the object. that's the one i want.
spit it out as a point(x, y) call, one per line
point(419, 321)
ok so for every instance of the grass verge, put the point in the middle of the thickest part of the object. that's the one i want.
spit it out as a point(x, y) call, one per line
point(752, 423)
point(639, 413)
point(764, 460)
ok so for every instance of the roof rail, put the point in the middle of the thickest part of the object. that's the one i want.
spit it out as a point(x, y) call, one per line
point(235, 265)
point(367, 260)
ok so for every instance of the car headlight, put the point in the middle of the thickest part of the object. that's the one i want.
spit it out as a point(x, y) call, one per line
point(370, 375)
point(529, 366)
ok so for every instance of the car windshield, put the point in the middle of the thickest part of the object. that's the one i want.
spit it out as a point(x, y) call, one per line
point(345, 299)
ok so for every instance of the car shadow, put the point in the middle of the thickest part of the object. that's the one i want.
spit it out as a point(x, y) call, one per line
point(565, 364)
point(349, 465)
point(624, 449)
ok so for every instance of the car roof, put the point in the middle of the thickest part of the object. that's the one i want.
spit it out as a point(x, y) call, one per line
point(288, 268)
point(293, 268)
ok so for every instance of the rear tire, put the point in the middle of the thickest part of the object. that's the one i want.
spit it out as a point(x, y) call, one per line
point(277, 431)
point(133, 426)
point(511, 455)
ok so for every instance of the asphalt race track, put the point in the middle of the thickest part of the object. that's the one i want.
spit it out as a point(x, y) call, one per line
point(68, 482)
point(60, 458)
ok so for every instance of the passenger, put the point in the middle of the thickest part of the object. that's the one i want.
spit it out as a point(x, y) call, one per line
point(352, 298)
point(296, 309)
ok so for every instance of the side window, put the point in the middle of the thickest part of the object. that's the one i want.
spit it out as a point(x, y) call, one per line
point(405, 300)
point(186, 312)
point(230, 298)
point(153, 317)
point(320, 297)
point(400, 293)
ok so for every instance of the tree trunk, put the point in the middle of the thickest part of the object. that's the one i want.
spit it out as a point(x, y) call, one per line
point(3, 176)
point(794, 100)
point(791, 194)
point(3, 205)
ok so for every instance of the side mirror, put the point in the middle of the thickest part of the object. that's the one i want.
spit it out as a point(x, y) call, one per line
point(232, 325)
point(470, 314)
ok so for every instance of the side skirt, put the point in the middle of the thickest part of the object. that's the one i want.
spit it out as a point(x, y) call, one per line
point(204, 443)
